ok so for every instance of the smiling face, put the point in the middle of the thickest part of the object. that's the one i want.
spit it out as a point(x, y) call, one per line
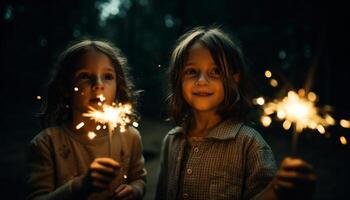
point(95, 76)
point(202, 87)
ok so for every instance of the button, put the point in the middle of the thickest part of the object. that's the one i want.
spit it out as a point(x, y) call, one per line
point(196, 149)
point(189, 171)
point(185, 196)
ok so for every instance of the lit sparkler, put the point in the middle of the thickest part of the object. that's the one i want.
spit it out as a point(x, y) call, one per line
point(299, 110)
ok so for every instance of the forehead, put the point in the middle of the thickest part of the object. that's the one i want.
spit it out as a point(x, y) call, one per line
point(198, 51)
point(95, 59)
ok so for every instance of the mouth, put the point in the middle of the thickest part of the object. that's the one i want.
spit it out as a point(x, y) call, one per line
point(202, 94)
point(95, 100)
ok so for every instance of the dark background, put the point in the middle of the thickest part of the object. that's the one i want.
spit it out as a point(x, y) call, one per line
point(301, 42)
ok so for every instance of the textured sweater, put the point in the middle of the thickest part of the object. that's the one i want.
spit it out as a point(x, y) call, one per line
point(57, 156)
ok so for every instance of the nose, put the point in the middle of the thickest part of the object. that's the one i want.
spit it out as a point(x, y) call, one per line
point(97, 84)
point(202, 79)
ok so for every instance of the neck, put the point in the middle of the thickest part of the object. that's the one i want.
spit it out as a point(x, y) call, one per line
point(204, 122)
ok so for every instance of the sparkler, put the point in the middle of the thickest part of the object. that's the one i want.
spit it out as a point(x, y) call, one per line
point(111, 116)
point(296, 109)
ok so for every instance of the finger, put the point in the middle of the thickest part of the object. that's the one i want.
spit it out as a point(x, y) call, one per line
point(125, 192)
point(280, 184)
point(108, 171)
point(296, 164)
point(120, 188)
point(101, 177)
point(108, 162)
point(99, 186)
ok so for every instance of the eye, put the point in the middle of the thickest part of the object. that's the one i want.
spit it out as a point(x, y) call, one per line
point(216, 73)
point(109, 76)
point(190, 72)
point(83, 75)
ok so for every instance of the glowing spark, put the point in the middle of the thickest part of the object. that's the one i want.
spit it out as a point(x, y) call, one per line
point(135, 124)
point(76, 89)
point(81, 124)
point(343, 140)
point(91, 135)
point(104, 127)
point(259, 101)
point(266, 121)
point(345, 123)
point(294, 108)
point(274, 83)
point(98, 127)
point(268, 74)
point(101, 97)
point(38, 97)
point(112, 116)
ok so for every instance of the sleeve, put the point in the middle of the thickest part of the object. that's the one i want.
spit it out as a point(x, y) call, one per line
point(137, 169)
point(162, 182)
point(41, 174)
point(260, 169)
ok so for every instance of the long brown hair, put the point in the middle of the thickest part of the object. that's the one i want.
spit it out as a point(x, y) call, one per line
point(56, 109)
point(227, 56)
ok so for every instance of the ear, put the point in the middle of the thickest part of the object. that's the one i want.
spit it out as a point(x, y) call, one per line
point(236, 77)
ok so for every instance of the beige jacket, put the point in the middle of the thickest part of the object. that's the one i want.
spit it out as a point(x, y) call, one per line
point(58, 155)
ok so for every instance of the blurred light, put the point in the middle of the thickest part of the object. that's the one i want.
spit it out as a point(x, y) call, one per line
point(301, 92)
point(266, 121)
point(343, 140)
point(311, 96)
point(8, 14)
point(38, 97)
point(273, 83)
point(260, 101)
point(81, 124)
point(168, 20)
point(268, 74)
point(287, 124)
point(108, 9)
point(76, 89)
point(282, 54)
point(345, 123)
point(98, 127)
point(135, 124)
point(91, 135)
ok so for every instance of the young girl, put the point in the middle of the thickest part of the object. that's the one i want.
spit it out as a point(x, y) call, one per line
point(213, 154)
point(64, 163)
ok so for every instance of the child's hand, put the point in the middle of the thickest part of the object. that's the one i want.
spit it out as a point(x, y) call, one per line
point(125, 192)
point(99, 176)
point(295, 179)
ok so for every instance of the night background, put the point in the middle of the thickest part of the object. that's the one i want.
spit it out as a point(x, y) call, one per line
point(303, 43)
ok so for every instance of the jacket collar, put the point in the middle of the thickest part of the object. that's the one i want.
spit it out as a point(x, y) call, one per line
point(226, 130)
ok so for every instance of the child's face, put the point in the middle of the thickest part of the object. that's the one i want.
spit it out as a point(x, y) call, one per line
point(95, 77)
point(202, 87)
